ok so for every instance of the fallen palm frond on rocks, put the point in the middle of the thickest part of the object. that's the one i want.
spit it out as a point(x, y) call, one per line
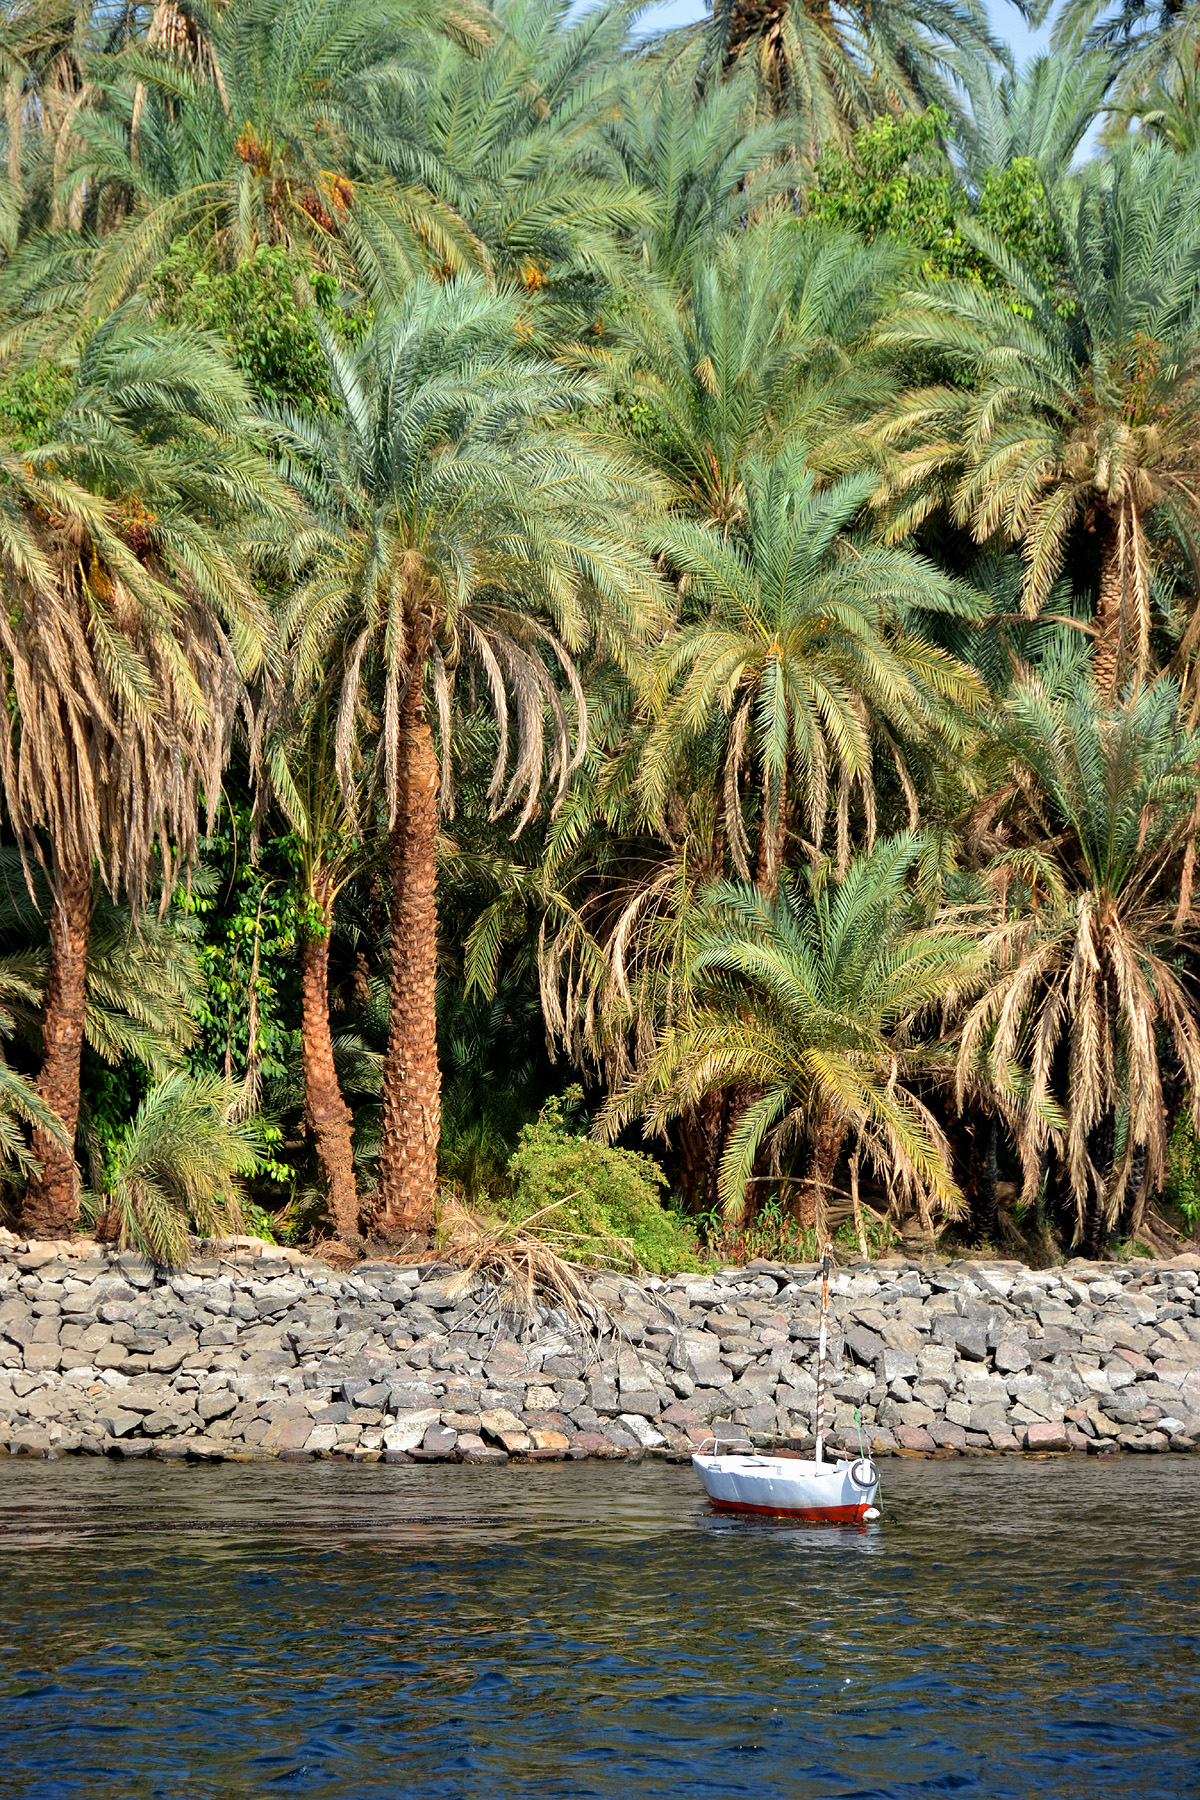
point(518, 1268)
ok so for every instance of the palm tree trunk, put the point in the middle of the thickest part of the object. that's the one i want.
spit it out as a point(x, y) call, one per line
point(412, 1099)
point(985, 1204)
point(1106, 649)
point(827, 1147)
point(51, 1204)
point(772, 841)
point(329, 1118)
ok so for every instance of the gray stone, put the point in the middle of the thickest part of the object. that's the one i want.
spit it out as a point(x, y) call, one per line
point(118, 1423)
point(439, 1441)
point(216, 1406)
point(602, 1397)
point(896, 1364)
point(865, 1346)
point(1011, 1355)
point(642, 1430)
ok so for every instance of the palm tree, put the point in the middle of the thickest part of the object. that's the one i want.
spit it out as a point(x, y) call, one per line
point(460, 532)
point(702, 162)
point(301, 760)
point(1140, 40)
point(1085, 926)
point(260, 131)
point(505, 130)
point(811, 1001)
point(128, 627)
point(21, 1108)
point(1042, 112)
point(1168, 109)
point(798, 639)
point(46, 52)
point(1077, 410)
point(766, 344)
point(175, 1166)
point(142, 984)
point(831, 69)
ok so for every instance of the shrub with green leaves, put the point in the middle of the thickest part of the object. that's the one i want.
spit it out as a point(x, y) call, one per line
point(604, 1202)
point(1182, 1186)
point(896, 178)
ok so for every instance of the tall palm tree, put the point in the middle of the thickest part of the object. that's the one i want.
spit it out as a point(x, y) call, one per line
point(1042, 112)
point(809, 1001)
point(46, 52)
point(1076, 411)
point(1085, 927)
point(798, 638)
point(831, 68)
point(766, 343)
point(1141, 41)
point(505, 131)
point(129, 625)
point(261, 133)
point(460, 533)
point(1168, 108)
point(703, 162)
point(142, 985)
point(301, 759)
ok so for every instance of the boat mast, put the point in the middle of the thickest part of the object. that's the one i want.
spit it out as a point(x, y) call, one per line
point(821, 1343)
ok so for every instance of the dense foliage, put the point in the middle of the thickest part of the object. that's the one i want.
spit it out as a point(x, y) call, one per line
point(564, 585)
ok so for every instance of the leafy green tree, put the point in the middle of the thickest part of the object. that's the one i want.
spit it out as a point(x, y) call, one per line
point(260, 310)
point(895, 178)
point(600, 1203)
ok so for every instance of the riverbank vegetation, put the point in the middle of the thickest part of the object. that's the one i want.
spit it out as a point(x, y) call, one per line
point(600, 628)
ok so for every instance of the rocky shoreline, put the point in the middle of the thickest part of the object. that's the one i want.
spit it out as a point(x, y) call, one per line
point(256, 1351)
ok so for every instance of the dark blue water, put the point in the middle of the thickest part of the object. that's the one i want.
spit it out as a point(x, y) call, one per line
point(208, 1633)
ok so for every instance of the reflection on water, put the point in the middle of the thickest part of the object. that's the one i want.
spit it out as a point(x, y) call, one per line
point(208, 1633)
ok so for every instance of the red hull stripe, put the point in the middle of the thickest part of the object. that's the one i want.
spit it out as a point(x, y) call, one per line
point(837, 1515)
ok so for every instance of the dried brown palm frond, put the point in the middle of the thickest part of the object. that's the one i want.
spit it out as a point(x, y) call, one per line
point(518, 1266)
point(1088, 986)
point(131, 621)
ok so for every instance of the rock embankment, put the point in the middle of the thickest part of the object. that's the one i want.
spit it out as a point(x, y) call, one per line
point(260, 1352)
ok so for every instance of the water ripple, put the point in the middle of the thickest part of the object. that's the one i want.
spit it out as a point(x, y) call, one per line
point(592, 1632)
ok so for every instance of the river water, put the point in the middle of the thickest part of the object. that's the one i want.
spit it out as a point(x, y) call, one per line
point(573, 1630)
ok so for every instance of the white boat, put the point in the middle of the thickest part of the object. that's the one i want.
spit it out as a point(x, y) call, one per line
point(841, 1492)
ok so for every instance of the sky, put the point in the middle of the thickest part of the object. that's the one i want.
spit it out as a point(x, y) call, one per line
point(1007, 23)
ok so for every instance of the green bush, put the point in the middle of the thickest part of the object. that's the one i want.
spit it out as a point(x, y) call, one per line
point(606, 1204)
point(1182, 1185)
